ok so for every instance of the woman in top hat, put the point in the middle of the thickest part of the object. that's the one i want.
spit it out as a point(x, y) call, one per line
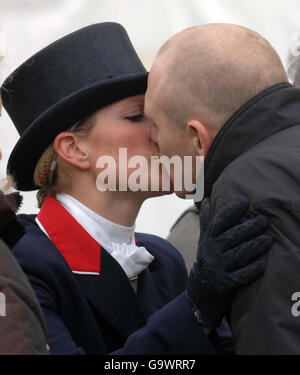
point(104, 288)
point(22, 328)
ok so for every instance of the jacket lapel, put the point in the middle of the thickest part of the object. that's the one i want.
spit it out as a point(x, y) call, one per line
point(100, 276)
point(112, 296)
point(148, 292)
point(154, 287)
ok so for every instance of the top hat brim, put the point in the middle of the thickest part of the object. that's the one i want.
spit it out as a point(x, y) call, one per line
point(75, 107)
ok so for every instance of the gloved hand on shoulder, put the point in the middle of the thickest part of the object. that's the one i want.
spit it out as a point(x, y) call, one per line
point(228, 257)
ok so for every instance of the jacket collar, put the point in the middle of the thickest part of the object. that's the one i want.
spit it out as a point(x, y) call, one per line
point(269, 112)
point(81, 252)
point(101, 229)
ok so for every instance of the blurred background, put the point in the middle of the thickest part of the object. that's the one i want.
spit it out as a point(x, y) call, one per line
point(26, 26)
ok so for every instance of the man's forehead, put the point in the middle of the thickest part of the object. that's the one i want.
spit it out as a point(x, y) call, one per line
point(154, 81)
point(150, 87)
point(150, 105)
point(152, 78)
point(159, 65)
point(147, 103)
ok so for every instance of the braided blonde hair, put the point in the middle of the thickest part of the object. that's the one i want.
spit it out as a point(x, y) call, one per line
point(45, 173)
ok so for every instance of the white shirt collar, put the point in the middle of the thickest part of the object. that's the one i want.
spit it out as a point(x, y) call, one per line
point(117, 239)
point(103, 231)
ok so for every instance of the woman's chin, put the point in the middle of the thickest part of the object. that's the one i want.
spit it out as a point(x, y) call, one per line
point(154, 194)
point(184, 194)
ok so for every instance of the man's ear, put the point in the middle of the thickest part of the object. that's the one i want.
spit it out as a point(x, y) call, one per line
point(201, 138)
point(68, 146)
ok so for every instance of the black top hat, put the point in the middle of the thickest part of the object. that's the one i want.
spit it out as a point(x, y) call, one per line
point(64, 83)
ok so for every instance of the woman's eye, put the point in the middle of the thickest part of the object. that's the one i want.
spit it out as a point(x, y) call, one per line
point(136, 118)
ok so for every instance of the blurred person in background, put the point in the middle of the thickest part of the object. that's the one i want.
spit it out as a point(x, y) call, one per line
point(293, 63)
point(184, 235)
point(22, 326)
point(104, 288)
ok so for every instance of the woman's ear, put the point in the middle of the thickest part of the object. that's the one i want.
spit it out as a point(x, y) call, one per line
point(68, 146)
point(201, 137)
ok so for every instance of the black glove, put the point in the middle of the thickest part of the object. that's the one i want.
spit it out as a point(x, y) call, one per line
point(226, 259)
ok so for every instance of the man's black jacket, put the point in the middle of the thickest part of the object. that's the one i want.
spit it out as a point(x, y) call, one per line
point(257, 154)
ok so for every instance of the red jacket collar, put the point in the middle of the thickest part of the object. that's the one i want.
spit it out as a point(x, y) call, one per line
point(80, 250)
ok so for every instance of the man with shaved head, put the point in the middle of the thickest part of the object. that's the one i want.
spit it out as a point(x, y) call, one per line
point(220, 91)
